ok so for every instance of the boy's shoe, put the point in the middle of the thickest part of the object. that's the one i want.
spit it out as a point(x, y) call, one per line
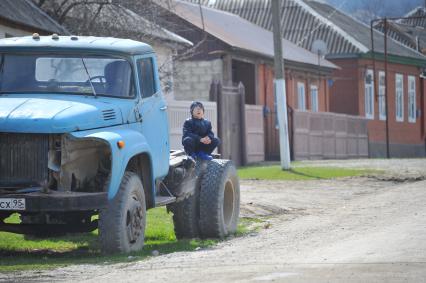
point(204, 156)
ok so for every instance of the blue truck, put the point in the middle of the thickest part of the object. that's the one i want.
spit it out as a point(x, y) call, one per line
point(84, 133)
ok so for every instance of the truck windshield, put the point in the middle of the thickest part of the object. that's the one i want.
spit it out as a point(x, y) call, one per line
point(65, 74)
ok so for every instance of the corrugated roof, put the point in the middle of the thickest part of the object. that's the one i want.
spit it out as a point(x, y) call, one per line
point(116, 20)
point(26, 13)
point(361, 32)
point(303, 22)
point(243, 35)
point(417, 12)
point(406, 34)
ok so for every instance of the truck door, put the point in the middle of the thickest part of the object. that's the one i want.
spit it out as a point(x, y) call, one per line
point(152, 109)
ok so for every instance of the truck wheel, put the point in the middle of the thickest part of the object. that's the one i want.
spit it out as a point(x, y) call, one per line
point(219, 199)
point(186, 217)
point(122, 223)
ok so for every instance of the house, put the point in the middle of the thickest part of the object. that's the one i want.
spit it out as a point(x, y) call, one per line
point(353, 91)
point(410, 31)
point(117, 21)
point(232, 50)
point(23, 17)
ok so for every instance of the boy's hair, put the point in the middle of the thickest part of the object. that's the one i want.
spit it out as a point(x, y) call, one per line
point(195, 104)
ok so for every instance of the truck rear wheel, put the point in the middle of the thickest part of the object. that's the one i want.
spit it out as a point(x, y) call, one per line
point(219, 199)
point(186, 217)
point(122, 223)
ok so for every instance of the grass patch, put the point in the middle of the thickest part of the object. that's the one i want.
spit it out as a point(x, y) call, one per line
point(298, 173)
point(19, 253)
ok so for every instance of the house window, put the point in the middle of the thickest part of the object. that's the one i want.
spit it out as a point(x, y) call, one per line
point(411, 99)
point(314, 98)
point(301, 96)
point(382, 97)
point(369, 95)
point(399, 91)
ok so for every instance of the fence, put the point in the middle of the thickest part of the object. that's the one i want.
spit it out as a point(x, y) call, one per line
point(329, 136)
point(255, 140)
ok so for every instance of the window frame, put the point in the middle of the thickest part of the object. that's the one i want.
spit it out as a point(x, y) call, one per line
point(77, 55)
point(314, 102)
point(301, 97)
point(399, 98)
point(154, 78)
point(412, 100)
point(369, 96)
point(382, 96)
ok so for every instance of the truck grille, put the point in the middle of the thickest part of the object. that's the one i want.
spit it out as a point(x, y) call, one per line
point(23, 159)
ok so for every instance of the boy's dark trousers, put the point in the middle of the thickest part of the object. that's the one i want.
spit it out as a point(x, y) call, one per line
point(192, 145)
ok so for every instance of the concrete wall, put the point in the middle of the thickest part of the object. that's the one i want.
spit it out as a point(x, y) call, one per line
point(193, 79)
point(165, 66)
point(329, 136)
point(12, 31)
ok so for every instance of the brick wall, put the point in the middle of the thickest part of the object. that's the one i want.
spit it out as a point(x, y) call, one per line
point(348, 96)
point(193, 79)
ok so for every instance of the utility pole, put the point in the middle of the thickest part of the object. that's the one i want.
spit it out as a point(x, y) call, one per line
point(279, 86)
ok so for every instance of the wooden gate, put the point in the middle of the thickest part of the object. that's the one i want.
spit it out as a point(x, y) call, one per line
point(272, 134)
point(231, 121)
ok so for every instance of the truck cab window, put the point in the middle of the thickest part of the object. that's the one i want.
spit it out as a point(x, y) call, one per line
point(146, 77)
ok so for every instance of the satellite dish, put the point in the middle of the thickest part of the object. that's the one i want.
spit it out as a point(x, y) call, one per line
point(319, 47)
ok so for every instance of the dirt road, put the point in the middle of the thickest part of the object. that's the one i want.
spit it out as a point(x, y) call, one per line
point(348, 230)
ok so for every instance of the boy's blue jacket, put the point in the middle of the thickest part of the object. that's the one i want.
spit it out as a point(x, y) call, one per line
point(197, 129)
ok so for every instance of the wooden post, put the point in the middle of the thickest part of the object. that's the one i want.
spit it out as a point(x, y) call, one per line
point(241, 92)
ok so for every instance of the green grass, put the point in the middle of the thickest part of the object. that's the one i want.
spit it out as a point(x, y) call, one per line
point(18, 253)
point(297, 173)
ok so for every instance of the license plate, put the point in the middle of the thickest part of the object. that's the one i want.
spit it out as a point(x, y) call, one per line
point(12, 204)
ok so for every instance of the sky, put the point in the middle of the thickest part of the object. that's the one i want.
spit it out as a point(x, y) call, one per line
point(365, 9)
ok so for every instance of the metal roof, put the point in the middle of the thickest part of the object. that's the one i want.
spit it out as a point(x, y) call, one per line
point(26, 13)
point(303, 22)
point(82, 44)
point(243, 35)
point(417, 12)
point(406, 34)
point(118, 21)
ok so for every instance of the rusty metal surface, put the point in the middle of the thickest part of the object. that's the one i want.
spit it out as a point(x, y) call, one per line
point(23, 159)
point(242, 34)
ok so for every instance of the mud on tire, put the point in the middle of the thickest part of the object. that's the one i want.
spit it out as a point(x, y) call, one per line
point(122, 223)
point(219, 199)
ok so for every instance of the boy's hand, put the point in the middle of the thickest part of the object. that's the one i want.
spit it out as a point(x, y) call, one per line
point(205, 140)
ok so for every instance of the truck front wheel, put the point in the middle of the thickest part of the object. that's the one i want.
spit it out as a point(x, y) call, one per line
point(122, 223)
point(219, 199)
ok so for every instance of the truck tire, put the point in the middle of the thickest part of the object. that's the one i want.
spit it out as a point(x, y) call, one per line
point(186, 217)
point(122, 223)
point(219, 199)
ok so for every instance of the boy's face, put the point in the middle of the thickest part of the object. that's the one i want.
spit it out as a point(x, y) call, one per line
point(198, 113)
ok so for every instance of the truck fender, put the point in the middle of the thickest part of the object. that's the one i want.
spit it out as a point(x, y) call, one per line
point(135, 143)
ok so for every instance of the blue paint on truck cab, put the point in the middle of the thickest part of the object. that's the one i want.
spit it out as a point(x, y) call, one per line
point(87, 88)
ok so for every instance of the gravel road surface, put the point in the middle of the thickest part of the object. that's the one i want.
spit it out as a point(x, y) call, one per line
point(361, 229)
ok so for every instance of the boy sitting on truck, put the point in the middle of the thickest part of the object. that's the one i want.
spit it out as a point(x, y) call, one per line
point(198, 139)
